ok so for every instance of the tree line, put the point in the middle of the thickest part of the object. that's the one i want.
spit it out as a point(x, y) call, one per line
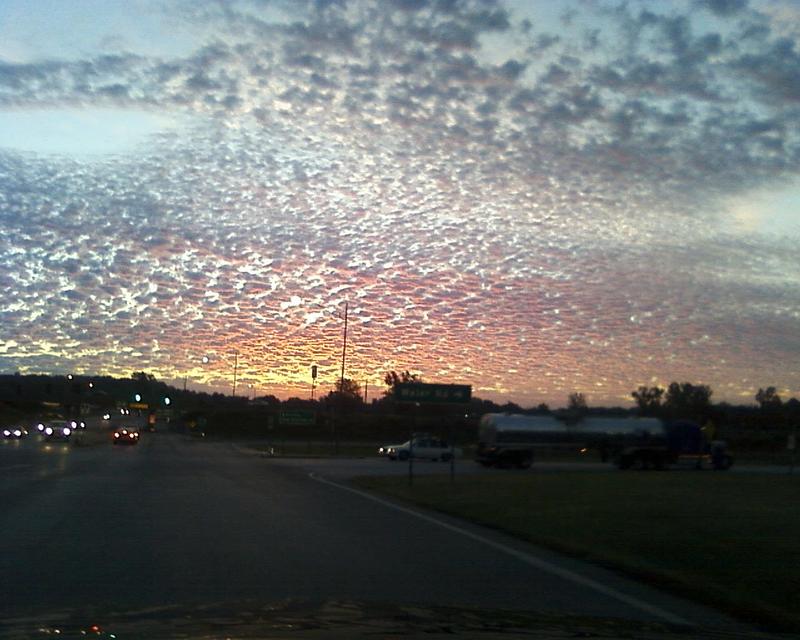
point(676, 400)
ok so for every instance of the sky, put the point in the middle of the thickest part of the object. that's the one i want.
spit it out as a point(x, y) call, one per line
point(534, 198)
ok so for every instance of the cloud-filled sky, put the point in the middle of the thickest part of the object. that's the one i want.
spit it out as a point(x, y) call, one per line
point(530, 197)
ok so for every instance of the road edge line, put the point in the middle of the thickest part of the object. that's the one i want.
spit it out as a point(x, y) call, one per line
point(528, 559)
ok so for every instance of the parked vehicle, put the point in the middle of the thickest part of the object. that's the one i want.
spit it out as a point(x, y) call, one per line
point(510, 440)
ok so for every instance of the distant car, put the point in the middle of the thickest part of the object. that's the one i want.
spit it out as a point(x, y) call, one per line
point(425, 448)
point(126, 435)
point(57, 432)
point(48, 421)
point(14, 433)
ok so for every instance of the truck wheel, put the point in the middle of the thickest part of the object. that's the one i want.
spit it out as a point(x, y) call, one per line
point(724, 464)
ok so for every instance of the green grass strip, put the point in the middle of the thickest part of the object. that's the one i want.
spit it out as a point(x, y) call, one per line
point(732, 541)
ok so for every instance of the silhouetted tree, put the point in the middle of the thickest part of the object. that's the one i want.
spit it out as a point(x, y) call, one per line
point(648, 399)
point(141, 376)
point(392, 379)
point(686, 400)
point(347, 395)
point(768, 399)
point(576, 403)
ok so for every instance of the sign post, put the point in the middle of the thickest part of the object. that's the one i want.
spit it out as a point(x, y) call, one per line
point(420, 393)
point(313, 380)
point(297, 417)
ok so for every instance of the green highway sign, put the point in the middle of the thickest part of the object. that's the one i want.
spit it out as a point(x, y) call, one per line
point(300, 417)
point(432, 393)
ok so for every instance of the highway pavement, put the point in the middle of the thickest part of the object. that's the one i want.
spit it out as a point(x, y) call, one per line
point(182, 521)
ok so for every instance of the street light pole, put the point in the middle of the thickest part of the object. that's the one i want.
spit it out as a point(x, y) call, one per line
point(341, 384)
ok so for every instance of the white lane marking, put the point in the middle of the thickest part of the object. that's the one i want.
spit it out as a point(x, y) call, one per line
point(538, 563)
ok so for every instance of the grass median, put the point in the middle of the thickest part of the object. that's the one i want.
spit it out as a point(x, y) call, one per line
point(732, 541)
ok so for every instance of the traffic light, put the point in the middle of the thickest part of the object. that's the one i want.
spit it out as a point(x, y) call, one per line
point(167, 400)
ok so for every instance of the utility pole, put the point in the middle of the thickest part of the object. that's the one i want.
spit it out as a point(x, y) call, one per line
point(235, 370)
point(344, 349)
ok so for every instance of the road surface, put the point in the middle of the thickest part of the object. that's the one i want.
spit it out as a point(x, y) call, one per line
point(176, 520)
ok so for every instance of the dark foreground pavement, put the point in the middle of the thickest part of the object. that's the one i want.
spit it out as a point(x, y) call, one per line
point(175, 522)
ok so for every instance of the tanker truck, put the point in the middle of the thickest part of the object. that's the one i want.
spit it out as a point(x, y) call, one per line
point(511, 440)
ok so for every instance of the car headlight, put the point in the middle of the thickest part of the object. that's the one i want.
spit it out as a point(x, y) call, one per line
point(48, 431)
point(66, 431)
point(40, 427)
point(6, 433)
point(18, 433)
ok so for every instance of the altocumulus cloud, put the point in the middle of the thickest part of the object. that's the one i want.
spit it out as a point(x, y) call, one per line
point(531, 203)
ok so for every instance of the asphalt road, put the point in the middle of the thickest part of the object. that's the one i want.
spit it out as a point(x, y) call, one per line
point(180, 521)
